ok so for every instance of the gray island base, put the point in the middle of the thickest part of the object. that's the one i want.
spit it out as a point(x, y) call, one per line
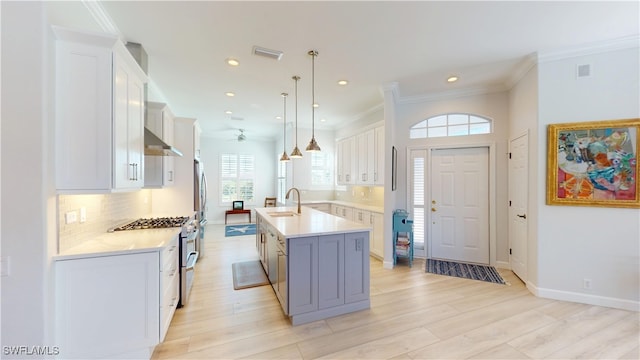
point(317, 263)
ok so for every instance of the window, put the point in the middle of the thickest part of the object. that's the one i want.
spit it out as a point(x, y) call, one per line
point(450, 125)
point(321, 169)
point(417, 202)
point(236, 178)
point(282, 180)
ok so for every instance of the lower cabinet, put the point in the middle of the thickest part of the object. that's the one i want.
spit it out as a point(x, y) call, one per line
point(115, 306)
point(328, 275)
point(108, 306)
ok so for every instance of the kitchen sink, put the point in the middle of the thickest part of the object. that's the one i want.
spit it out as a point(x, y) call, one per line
point(282, 213)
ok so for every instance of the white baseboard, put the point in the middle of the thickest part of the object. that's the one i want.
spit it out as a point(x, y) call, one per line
point(387, 264)
point(584, 298)
point(503, 265)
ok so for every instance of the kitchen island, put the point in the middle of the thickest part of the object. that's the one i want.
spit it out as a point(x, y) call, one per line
point(317, 263)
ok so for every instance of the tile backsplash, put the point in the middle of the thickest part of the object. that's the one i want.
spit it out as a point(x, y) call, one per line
point(103, 211)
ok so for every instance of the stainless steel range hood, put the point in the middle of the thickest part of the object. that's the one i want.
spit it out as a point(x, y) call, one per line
point(154, 146)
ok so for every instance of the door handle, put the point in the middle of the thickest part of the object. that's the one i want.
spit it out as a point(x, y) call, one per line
point(522, 216)
point(433, 210)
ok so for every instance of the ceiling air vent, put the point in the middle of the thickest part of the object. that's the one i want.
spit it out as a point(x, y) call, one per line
point(271, 54)
point(583, 70)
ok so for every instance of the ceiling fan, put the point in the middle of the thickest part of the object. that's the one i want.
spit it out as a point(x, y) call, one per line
point(241, 136)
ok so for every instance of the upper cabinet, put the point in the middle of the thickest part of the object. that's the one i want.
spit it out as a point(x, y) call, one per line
point(360, 158)
point(378, 163)
point(99, 130)
point(159, 170)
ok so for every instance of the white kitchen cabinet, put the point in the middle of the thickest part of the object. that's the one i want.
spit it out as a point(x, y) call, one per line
point(159, 170)
point(378, 172)
point(196, 141)
point(108, 306)
point(365, 158)
point(99, 132)
point(346, 163)
point(169, 285)
point(344, 212)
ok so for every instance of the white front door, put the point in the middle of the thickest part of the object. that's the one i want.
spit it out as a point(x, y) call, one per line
point(518, 202)
point(460, 204)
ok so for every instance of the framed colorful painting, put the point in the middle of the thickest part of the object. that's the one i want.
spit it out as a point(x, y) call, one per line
point(594, 163)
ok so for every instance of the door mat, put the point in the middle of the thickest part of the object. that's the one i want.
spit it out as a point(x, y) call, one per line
point(462, 270)
point(248, 274)
point(238, 230)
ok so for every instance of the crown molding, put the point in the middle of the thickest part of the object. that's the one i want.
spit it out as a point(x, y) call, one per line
point(101, 16)
point(453, 94)
point(623, 43)
point(523, 67)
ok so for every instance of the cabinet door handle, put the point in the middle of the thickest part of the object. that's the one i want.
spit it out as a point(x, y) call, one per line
point(522, 216)
point(132, 177)
point(171, 175)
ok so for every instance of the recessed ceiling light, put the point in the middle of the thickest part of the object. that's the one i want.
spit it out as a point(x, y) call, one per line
point(323, 120)
point(230, 94)
point(452, 79)
point(233, 62)
point(315, 105)
point(228, 112)
point(342, 82)
point(278, 117)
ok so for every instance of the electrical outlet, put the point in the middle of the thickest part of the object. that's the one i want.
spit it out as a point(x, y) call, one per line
point(83, 214)
point(71, 217)
point(4, 266)
point(586, 284)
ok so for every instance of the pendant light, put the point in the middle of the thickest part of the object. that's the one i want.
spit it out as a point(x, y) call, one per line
point(284, 157)
point(296, 153)
point(313, 144)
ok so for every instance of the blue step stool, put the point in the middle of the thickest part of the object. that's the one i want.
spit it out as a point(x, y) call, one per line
point(402, 236)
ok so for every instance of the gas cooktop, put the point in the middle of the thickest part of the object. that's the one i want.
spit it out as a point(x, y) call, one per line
point(154, 223)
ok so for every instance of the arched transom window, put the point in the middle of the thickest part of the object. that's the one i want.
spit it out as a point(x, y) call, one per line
point(450, 125)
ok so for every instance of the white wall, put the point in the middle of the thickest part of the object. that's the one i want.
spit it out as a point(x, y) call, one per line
point(575, 243)
point(266, 157)
point(494, 106)
point(27, 199)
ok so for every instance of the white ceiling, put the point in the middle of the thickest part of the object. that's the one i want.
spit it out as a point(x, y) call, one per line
point(371, 44)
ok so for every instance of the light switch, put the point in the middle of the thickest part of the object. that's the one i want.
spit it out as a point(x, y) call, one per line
point(71, 217)
point(83, 214)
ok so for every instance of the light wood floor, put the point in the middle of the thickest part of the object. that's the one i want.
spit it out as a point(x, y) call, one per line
point(413, 315)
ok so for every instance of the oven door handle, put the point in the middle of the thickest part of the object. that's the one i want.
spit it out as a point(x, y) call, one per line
point(192, 258)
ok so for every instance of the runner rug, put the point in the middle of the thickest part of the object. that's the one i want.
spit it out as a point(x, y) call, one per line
point(238, 230)
point(248, 274)
point(462, 270)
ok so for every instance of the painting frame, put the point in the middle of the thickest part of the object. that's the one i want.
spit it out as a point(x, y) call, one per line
point(594, 163)
point(394, 168)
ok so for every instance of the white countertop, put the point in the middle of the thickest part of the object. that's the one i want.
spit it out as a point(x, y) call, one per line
point(310, 223)
point(372, 208)
point(122, 242)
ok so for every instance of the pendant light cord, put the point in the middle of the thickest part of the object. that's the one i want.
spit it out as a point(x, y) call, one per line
point(296, 78)
point(313, 94)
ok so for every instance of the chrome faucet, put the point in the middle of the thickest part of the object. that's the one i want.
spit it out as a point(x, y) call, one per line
point(298, 191)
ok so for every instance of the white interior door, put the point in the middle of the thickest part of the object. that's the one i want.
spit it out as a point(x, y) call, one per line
point(460, 204)
point(518, 204)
